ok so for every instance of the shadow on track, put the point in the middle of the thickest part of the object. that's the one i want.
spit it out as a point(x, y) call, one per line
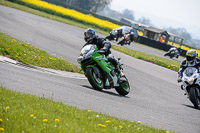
point(106, 92)
point(190, 106)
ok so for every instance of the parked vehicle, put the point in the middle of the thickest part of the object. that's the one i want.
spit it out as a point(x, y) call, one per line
point(129, 37)
point(191, 85)
point(173, 52)
point(101, 73)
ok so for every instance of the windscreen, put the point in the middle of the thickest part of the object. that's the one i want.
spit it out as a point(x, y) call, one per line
point(190, 71)
point(87, 48)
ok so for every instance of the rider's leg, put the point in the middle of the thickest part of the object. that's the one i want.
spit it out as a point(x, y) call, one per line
point(115, 63)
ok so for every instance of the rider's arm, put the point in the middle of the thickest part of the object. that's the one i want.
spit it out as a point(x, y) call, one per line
point(104, 46)
point(180, 72)
point(85, 44)
point(182, 68)
point(198, 62)
point(107, 45)
point(101, 43)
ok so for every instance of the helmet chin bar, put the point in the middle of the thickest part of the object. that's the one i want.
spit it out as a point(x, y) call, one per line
point(190, 58)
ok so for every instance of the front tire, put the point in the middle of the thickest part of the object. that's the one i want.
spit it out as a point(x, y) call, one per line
point(194, 98)
point(97, 83)
point(171, 56)
point(123, 88)
point(121, 42)
point(167, 54)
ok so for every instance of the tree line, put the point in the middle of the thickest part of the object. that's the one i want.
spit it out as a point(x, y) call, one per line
point(90, 5)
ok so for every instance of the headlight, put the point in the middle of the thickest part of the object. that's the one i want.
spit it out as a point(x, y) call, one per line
point(79, 59)
point(190, 80)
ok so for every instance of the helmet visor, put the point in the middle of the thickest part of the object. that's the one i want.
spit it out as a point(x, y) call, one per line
point(88, 34)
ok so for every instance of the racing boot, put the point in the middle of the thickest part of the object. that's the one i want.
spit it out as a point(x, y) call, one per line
point(121, 77)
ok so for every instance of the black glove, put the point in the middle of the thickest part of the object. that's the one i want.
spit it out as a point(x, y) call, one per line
point(179, 79)
point(102, 51)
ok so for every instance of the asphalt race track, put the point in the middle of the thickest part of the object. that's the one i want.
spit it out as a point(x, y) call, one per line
point(155, 98)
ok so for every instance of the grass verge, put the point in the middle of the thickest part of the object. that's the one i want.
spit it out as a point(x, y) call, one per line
point(30, 55)
point(26, 113)
point(170, 64)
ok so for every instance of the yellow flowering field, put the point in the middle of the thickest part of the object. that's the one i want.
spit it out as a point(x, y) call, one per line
point(72, 13)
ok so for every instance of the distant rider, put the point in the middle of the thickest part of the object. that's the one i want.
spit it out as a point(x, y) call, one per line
point(173, 49)
point(190, 61)
point(103, 46)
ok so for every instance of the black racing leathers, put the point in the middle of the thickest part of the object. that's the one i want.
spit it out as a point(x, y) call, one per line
point(102, 45)
point(185, 64)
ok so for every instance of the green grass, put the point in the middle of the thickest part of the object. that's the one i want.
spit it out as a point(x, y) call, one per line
point(26, 113)
point(30, 55)
point(170, 64)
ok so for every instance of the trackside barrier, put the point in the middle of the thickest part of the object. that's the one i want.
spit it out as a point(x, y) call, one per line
point(158, 45)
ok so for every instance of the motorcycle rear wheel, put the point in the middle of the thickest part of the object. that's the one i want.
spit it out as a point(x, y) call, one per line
point(97, 83)
point(123, 88)
point(194, 98)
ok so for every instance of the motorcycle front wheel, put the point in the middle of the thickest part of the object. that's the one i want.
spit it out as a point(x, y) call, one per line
point(123, 88)
point(167, 54)
point(194, 98)
point(121, 42)
point(96, 82)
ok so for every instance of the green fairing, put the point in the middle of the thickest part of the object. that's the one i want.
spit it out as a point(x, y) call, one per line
point(102, 62)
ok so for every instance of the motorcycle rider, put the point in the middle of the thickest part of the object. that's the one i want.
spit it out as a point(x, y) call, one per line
point(190, 61)
point(103, 48)
point(173, 49)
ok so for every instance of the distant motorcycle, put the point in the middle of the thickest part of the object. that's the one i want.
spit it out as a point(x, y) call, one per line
point(173, 52)
point(113, 36)
point(191, 85)
point(126, 39)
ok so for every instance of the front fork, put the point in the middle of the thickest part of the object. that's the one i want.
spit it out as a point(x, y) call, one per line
point(186, 92)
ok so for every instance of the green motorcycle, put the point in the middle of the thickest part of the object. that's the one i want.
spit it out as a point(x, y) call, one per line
point(101, 73)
